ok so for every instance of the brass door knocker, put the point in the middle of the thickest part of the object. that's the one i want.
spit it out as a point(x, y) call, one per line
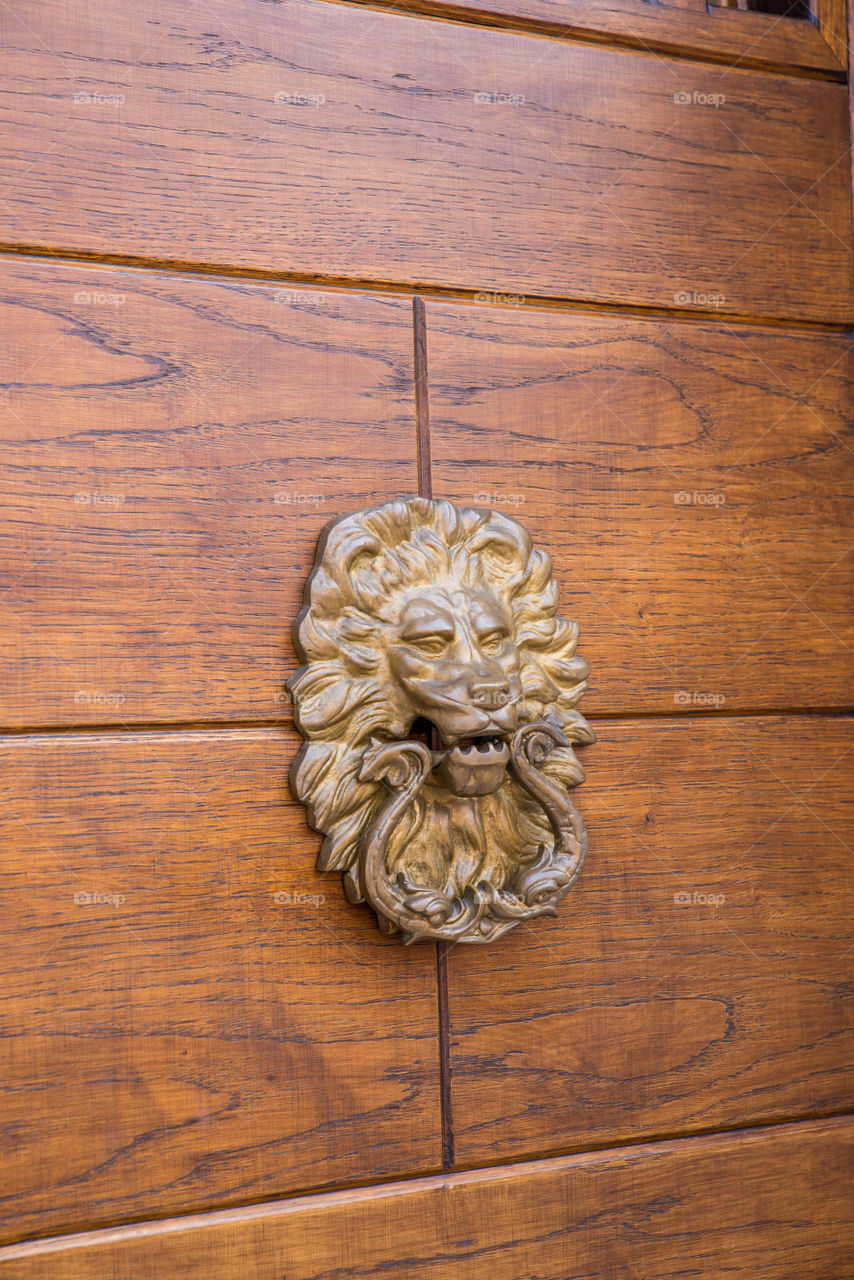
point(437, 701)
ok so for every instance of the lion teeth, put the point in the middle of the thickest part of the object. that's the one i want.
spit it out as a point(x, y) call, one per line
point(481, 750)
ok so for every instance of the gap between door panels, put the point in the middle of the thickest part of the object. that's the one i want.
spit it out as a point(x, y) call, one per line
point(425, 490)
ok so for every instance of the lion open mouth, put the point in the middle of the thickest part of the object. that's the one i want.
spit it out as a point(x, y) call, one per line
point(474, 766)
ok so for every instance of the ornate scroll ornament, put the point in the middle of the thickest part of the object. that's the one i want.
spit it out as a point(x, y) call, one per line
point(437, 700)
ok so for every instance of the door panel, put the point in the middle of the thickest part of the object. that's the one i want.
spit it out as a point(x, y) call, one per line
point(692, 482)
point(184, 1024)
point(455, 156)
point(173, 447)
point(732, 1205)
point(698, 975)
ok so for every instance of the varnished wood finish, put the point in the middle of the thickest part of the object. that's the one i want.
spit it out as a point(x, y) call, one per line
point(459, 156)
point(188, 1035)
point(690, 26)
point(172, 448)
point(831, 18)
point(691, 481)
point(185, 1040)
point(167, 595)
point(699, 974)
point(766, 1205)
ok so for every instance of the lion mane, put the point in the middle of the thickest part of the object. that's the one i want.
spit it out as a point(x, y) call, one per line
point(343, 692)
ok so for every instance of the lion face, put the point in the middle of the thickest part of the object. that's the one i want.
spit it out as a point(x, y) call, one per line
point(423, 616)
point(455, 658)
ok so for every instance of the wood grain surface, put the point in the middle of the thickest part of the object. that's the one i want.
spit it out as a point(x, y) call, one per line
point(692, 482)
point(831, 18)
point(738, 37)
point(194, 1025)
point(172, 457)
point(183, 1024)
point(699, 974)
point(173, 446)
point(764, 1205)
point(257, 135)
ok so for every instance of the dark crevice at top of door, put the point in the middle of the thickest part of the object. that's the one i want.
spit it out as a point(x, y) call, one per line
point(799, 9)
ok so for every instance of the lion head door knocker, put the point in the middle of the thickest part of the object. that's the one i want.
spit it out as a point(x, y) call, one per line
point(437, 699)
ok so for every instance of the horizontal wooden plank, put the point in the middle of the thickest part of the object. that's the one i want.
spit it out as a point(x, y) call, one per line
point(167, 479)
point(766, 1205)
point(459, 156)
point(693, 483)
point(182, 1023)
point(699, 973)
point(687, 25)
point(173, 446)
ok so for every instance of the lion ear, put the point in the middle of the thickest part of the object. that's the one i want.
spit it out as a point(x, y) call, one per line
point(354, 636)
point(360, 657)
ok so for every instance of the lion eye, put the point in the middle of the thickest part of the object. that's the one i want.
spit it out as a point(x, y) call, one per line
point(494, 642)
point(430, 644)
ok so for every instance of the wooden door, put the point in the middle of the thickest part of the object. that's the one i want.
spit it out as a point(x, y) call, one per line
point(266, 263)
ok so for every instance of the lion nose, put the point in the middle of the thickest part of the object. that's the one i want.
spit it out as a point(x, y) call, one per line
point(490, 696)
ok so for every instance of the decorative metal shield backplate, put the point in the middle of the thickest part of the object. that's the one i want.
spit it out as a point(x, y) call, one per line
point(437, 701)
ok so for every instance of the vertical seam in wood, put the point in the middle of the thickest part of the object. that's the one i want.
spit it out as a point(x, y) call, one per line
point(445, 1056)
point(425, 490)
point(422, 399)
